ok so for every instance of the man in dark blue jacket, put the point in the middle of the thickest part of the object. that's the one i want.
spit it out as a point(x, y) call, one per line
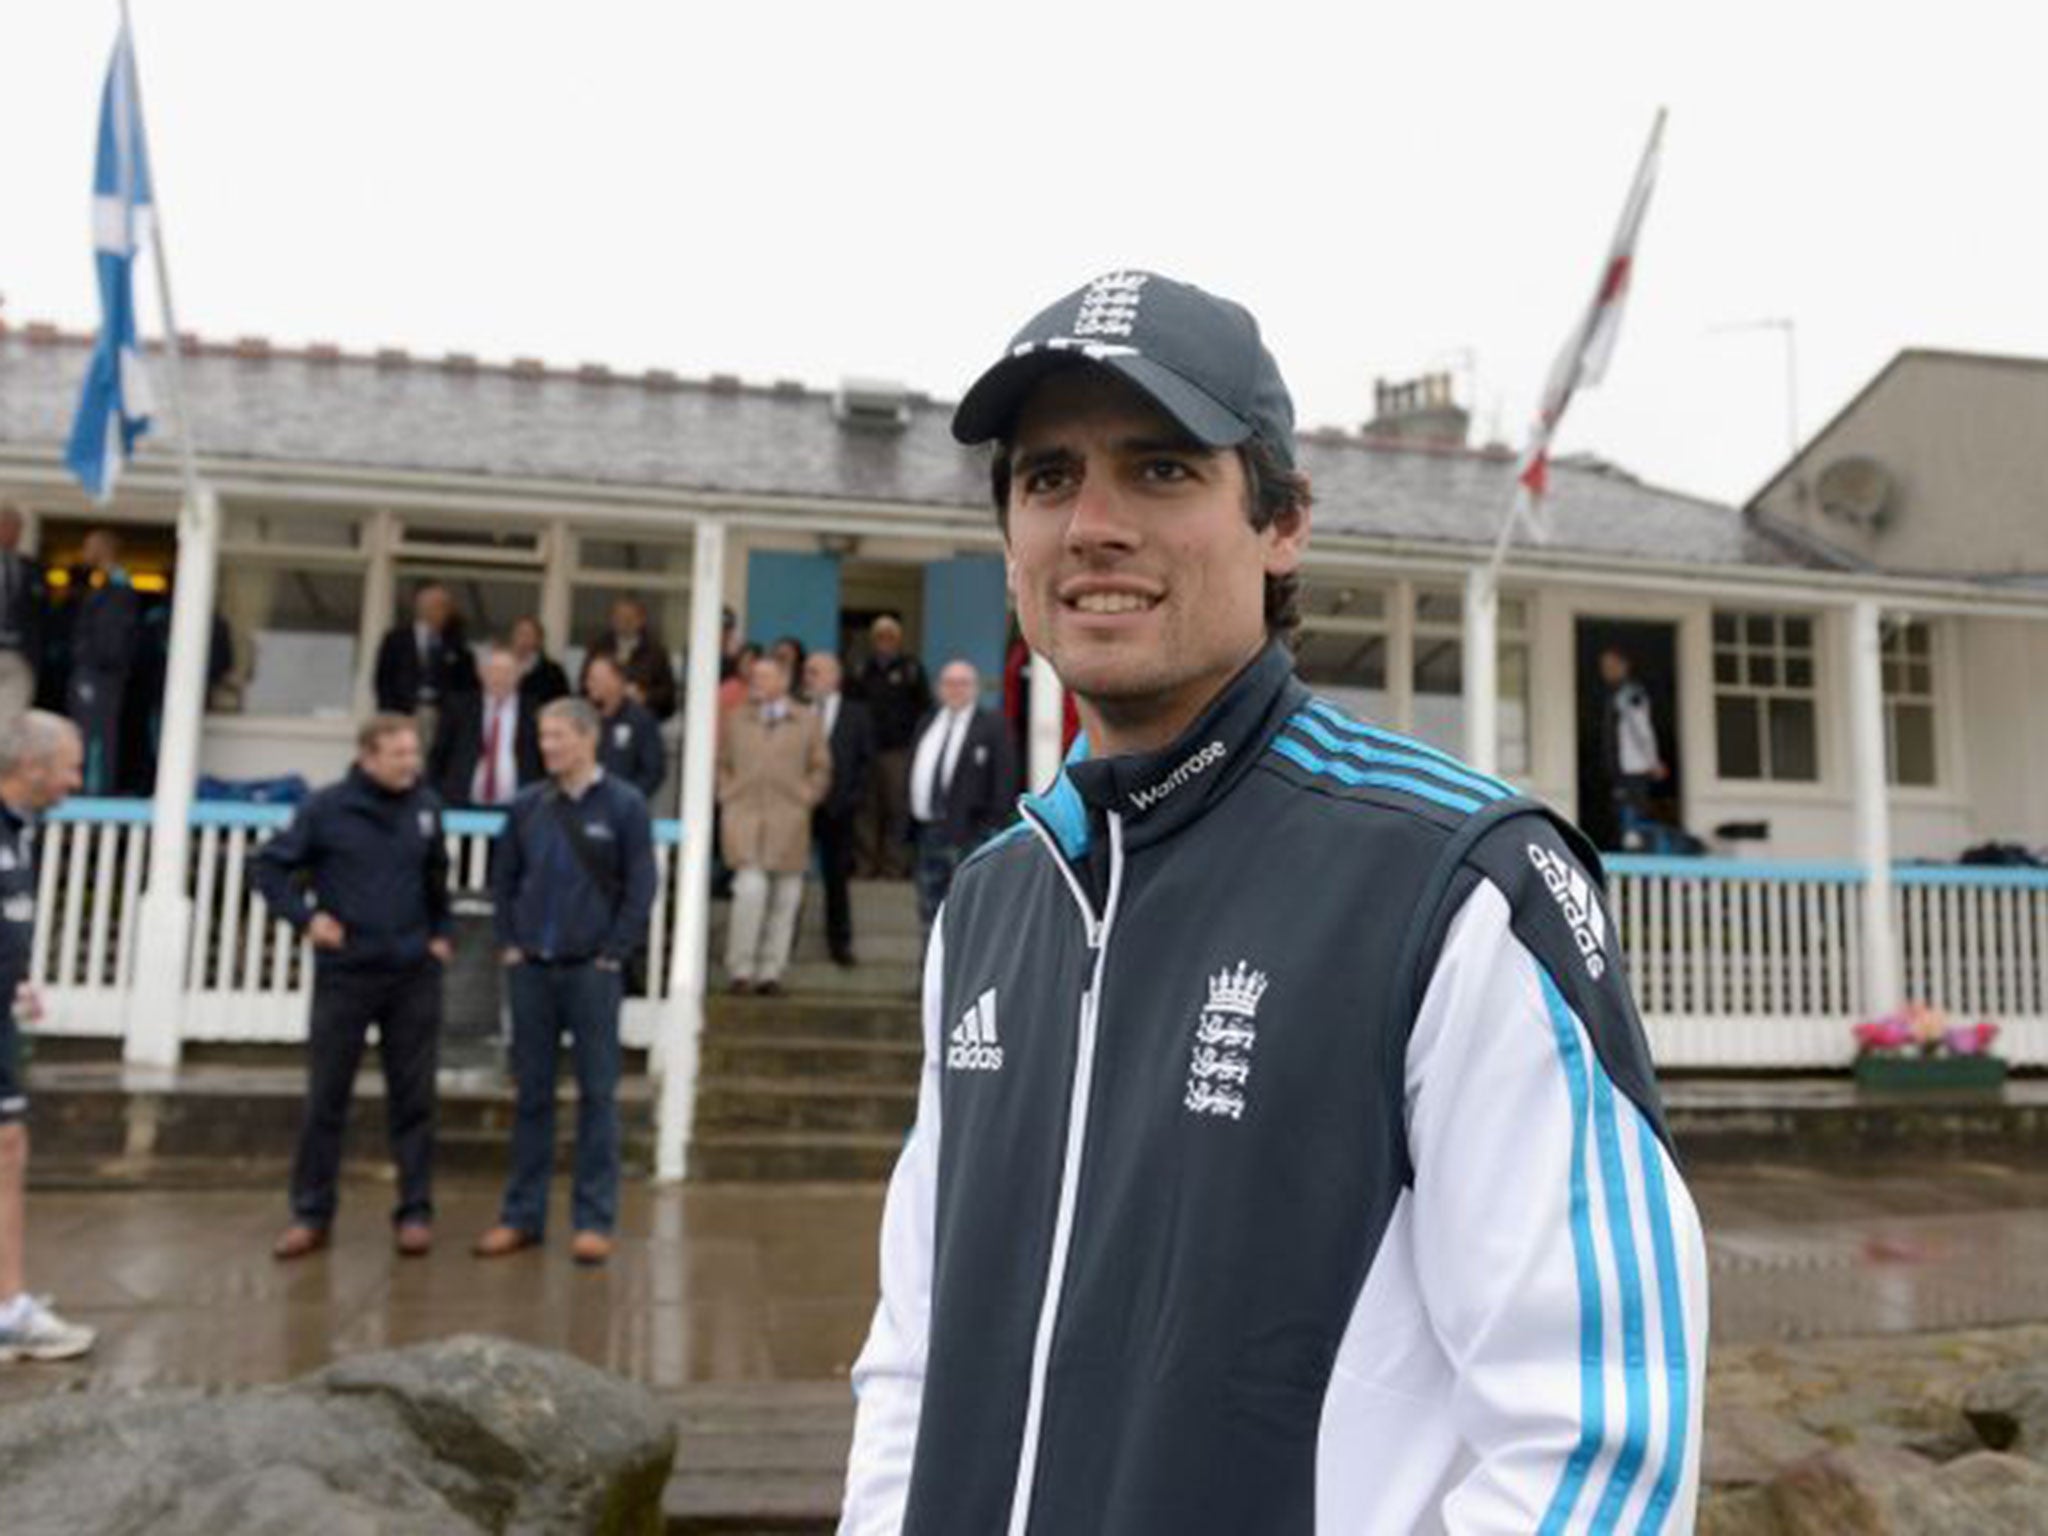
point(362, 871)
point(629, 737)
point(104, 628)
point(574, 882)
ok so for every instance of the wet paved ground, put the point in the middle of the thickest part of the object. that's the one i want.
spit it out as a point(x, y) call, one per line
point(741, 1284)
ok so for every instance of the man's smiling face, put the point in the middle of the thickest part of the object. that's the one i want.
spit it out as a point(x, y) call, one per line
point(1132, 559)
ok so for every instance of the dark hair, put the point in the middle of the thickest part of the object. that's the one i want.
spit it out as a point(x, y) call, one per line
point(1271, 490)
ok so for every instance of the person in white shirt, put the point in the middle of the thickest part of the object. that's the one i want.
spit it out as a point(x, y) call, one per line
point(1635, 761)
point(963, 780)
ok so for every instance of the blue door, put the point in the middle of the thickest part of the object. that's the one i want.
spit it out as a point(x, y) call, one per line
point(967, 617)
point(790, 594)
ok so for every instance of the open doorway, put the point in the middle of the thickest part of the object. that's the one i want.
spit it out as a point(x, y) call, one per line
point(867, 590)
point(1629, 760)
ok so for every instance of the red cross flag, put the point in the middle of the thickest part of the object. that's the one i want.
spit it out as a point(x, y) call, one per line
point(1586, 351)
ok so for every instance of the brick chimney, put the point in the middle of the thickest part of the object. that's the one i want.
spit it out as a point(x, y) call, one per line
point(1419, 411)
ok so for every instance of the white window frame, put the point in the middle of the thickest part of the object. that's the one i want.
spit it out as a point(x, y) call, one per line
point(1893, 660)
point(1765, 692)
point(359, 557)
point(1514, 631)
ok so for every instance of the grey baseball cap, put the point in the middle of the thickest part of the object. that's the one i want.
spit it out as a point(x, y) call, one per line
point(1197, 357)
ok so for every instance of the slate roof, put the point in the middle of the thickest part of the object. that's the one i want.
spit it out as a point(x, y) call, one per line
point(657, 432)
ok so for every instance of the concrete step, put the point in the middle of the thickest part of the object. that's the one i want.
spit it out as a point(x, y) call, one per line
point(1731, 1120)
point(759, 1458)
point(803, 1104)
point(811, 1016)
point(886, 1063)
point(794, 1156)
point(99, 1123)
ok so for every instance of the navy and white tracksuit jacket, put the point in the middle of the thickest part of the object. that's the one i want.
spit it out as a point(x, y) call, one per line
point(1288, 1160)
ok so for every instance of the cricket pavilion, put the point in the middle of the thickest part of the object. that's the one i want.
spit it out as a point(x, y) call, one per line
point(1849, 674)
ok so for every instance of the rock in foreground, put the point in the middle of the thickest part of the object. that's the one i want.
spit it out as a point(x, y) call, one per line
point(466, 1436)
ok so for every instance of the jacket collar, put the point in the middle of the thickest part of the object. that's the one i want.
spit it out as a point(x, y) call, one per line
point(1158, 793)
point(365, 788)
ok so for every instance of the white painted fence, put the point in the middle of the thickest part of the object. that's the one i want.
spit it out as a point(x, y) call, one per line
point(1740, 963)
point(246, 975)
point(1734, 963)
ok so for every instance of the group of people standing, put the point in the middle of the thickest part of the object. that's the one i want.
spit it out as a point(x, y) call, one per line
point(868, 770)
point(92, 650)
point(480, 718)
point(362, 872)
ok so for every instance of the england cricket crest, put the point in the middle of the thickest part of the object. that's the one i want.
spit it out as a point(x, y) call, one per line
point(1109, 306)
point(1220, 1060)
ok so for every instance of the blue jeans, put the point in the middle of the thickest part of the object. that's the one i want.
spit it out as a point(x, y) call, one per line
point(549, 1001)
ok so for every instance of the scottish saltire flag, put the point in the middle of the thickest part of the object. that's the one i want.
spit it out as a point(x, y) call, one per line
point(1583, 362)
point(114, 406)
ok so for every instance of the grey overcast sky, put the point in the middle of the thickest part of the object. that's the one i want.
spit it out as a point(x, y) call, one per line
point(888, 189)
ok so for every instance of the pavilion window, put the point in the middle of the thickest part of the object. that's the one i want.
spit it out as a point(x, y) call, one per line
point(1911, 758)
point(1439, 676)
point(1344, 647)
point(1766, 703)
point(291, 591)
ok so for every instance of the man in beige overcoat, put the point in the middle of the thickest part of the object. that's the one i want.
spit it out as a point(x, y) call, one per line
point(773, 767)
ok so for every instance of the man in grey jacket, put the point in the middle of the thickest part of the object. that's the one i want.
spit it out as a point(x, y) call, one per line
point(1288, 1156)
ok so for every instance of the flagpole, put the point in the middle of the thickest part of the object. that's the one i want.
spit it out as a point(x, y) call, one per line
point(156, 1024)
point(188, 458)
point(1583, 360)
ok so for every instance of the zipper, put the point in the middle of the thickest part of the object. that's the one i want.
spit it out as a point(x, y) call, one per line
point(1070, 1170)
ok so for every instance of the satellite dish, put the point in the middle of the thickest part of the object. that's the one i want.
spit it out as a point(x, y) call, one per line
point(1856, 490)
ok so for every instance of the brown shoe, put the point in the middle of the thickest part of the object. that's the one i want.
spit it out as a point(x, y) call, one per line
point(413, 1239)
point(742, 988)
point(591, 1248)
point(298, 1240)
point(502, 1240)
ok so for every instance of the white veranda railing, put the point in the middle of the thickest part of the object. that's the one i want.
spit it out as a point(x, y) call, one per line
point(247, 977)
point(1752, 963)
point(1734, 963)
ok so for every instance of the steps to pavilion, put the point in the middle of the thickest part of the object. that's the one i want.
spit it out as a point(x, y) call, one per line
point(805, 1088)
point(820, 1083)
point(759, 1457)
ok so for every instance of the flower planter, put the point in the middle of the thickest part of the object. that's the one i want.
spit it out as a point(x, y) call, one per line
point(1921, 1074)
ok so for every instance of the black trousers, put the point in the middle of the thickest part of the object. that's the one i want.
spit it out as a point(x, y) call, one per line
point(835, 835)
point(404, 1002)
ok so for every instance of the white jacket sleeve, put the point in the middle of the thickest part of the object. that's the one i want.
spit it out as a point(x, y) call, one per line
point(1557, 1251)
point(888, 1378)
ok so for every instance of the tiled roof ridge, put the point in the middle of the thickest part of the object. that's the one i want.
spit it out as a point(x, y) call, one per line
point(260, 349)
